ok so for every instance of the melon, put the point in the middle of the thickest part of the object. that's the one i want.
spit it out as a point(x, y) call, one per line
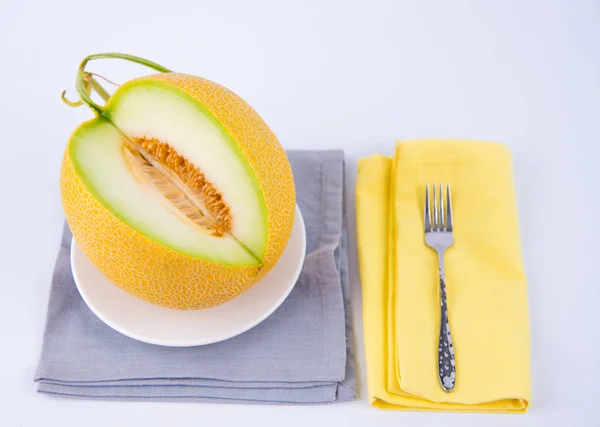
point(177, 190)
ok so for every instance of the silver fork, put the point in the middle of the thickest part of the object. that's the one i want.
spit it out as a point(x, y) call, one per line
point(438, 235)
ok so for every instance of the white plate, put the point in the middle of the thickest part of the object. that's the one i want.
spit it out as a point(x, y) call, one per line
point(183, 328)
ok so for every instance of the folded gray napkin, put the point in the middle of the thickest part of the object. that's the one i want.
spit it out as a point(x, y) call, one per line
point(303, 353)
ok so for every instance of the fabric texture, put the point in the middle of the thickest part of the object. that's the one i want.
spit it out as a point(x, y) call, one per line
point(486, 284)
point(303, 353)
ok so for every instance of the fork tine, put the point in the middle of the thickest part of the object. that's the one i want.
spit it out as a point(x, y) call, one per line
point(442, 224)
point(448, 209)
point(427, 215)
point(436, 223)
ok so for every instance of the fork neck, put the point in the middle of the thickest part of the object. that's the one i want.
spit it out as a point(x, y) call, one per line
point(440, 253)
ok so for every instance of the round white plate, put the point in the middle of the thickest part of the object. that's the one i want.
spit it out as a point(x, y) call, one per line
point(183, 328)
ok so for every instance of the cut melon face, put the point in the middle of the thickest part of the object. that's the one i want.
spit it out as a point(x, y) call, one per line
point(161, 163)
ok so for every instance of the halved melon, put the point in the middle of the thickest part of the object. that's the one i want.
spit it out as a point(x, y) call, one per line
point(178, 192)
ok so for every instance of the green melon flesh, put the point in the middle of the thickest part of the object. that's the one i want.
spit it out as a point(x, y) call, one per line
point(155, 110)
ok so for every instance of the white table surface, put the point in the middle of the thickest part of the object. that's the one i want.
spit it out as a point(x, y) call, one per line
point(326, 74)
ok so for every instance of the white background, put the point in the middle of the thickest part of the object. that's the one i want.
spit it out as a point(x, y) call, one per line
point(326, 74)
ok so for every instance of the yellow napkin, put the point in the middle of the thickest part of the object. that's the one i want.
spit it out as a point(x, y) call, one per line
point(486, 285)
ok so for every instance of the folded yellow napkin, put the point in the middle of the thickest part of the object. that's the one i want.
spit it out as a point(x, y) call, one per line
point(486, 285)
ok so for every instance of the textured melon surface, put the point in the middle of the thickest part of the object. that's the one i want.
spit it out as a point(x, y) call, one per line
point(134, 237)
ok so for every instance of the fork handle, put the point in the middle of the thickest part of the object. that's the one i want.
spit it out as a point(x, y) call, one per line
point(446, 361)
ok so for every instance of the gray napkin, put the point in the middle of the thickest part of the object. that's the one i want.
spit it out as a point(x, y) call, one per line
point(303, 353)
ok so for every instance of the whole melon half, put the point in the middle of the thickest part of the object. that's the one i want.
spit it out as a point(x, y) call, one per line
point(178, 192)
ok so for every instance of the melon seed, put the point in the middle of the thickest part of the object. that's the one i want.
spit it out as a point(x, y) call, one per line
point(179, 182)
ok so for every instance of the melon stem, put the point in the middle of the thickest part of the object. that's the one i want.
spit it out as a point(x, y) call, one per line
point(85, 82)
point(97, 87)
point(90, 84)
point(70, 103)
